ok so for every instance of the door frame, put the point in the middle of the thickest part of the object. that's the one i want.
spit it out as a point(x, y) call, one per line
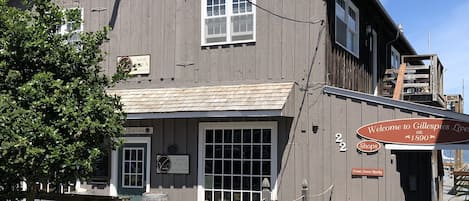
point(115, 164)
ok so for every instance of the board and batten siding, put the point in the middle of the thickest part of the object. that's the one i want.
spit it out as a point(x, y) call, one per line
point(169, 31)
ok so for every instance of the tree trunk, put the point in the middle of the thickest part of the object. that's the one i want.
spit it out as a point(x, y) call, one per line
point(30, 191)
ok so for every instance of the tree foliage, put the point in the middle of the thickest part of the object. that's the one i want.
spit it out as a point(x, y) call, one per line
point(55, 116)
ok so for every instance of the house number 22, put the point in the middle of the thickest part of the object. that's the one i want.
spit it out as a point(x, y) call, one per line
point(342, 144)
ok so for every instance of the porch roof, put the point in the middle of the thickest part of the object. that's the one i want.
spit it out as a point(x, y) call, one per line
point(247, 100)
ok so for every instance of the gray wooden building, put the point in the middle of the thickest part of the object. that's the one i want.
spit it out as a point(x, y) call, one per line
point(227, 94)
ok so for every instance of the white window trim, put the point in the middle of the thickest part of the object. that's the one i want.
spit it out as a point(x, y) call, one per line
point(349, 3)
point(228, 14)
point(115, 164)
point(123, 167)
point(237, 125)
point(394, 51)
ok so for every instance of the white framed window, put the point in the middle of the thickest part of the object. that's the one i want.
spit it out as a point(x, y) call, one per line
point(132, 167)
point(227, 21)
point(234, 159)
point(68, 27)
point(347, 26)
point(395, 58)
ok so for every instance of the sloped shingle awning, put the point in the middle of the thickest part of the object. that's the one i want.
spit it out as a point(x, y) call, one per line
point(249, 100)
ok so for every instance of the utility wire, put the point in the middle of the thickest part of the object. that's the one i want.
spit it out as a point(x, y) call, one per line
point(286, 18)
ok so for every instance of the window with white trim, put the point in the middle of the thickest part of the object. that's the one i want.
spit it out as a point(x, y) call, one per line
point(227, 21)
point(71, 27)
point(235, 160)
point(395, 58)
point(133, 166)
point(347, 26)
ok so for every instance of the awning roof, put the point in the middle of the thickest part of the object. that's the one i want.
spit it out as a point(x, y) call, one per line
point(208, 101)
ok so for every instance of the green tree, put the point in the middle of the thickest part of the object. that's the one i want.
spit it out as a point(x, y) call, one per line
point(55, 116)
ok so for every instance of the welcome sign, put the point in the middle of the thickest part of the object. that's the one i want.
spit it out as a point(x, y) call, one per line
point(417, 131)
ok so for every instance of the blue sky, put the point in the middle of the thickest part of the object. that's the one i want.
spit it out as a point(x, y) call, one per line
point(448, 25)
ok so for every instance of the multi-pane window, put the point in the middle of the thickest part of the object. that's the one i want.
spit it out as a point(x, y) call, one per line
point(72, 27)
point(395, 58)
point(235, 161)
point(347, 25)
point(227, 21)
point(132, 171)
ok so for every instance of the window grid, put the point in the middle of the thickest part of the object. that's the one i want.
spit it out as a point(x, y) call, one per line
point(67, 28)
point(227, 21)
point(236, 161)
point(132, 167)
point(347, 23)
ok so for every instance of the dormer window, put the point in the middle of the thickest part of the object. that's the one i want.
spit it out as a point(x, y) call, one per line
point(347, 26)
point(227, 21)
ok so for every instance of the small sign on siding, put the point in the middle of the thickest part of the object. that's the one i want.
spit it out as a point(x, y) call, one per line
point(140, 64)
point(172, 164)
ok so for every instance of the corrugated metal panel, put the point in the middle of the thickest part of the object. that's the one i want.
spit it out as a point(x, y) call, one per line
point(250, 97)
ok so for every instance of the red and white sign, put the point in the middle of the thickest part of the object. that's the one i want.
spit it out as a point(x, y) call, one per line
point(370, 172)
point(368, 146)
point(417, 131)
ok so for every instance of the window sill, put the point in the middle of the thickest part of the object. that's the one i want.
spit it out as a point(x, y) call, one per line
point(228, 43)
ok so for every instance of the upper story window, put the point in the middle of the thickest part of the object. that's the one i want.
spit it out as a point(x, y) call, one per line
point(347, 25)
point(227, 21)
point(72, 27)
point(395, 58)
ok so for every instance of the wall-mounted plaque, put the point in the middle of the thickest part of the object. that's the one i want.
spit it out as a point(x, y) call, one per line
point(172, 164)
point(140, 64)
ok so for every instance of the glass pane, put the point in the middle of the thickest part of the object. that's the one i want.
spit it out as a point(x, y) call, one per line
point(266, 168)
point(226, 167)
point(246, 183)
point(246, 196)
point(140, 155)
point(236, 151)
point(247, 135)
point(139, 167)
point(218, 136)
point(246, 167)
point(139, 180)
point(242, 7)
point(246, 151)
point(237, 136)
point(133, 180)
point(256, 196)
point(256, 183)
point(236, 196)
point(208, 151)
point(209, 136)
point(217, 196)
point(126, 154)
point(217, 182)
point(218, 151)
point(237, 183)
point(208, 194)
point(215, 2)
point(209, 11)
point(216, 10)
point(236, 167)
point(256, 151)
point(227, 196)
point(208, 166)
point(133, 155)
point(256, 135)
point(266, 152)
point(209, 182)
point(256, 167)
point(126, 180)
point(226, 182)
point(126, 167)
point(249, 7)
point(222, 10)
point(266, 135)
point(227, 151)
point(209, 2)
point(133, 169)
point(227, 138)
point(218, 166)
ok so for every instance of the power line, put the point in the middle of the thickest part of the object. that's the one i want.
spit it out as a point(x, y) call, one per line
point(286, 18)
